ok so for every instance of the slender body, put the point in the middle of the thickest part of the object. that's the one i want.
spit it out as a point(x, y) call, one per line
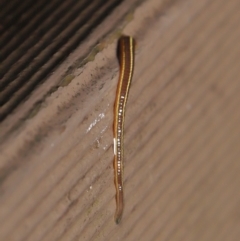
point(126, 46)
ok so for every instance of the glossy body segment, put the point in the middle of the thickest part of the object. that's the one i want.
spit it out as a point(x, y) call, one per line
point(126, 47)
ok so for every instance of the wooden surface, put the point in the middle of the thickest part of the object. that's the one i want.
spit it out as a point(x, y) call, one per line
point(182, 135)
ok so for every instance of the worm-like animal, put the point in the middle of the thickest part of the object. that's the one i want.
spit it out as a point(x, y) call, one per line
point(126, 47)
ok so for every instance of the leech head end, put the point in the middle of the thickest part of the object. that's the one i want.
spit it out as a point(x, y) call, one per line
point(118, 220)
point(118, 217)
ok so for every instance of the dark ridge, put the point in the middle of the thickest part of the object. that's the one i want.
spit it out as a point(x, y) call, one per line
point(36, 37)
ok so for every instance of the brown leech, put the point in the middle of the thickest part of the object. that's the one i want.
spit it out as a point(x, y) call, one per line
point(126, 47)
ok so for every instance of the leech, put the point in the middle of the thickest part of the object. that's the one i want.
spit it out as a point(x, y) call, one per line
point(126, 46)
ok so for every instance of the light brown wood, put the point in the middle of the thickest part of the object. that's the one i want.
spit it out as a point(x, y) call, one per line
point(182, 153)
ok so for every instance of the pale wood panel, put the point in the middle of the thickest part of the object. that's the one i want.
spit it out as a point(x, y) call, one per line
point(182, 136)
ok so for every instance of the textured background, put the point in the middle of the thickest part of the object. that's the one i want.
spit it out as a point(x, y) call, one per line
point(182, 133)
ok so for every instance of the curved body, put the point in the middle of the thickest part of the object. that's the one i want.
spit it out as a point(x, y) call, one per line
point(126, 47)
